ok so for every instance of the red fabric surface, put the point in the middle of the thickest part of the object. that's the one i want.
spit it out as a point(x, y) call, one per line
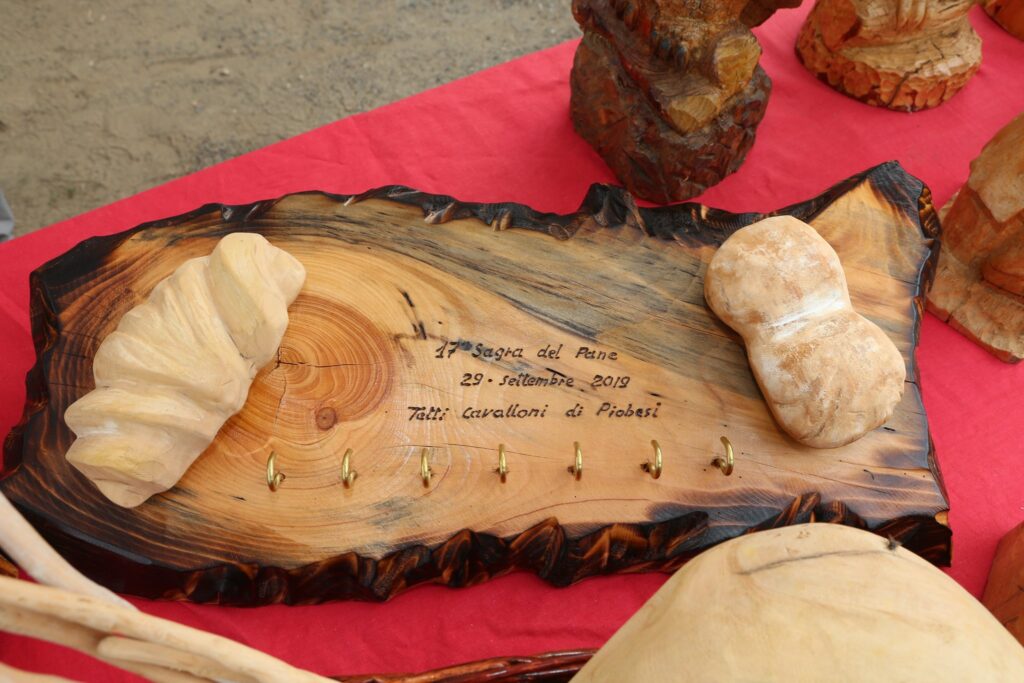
point(505, 134)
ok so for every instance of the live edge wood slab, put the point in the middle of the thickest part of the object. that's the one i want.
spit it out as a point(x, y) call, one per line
point(421, 330)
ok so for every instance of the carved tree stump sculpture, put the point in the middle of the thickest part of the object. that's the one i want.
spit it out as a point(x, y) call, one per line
point(1007, 13)
point(669, 92)
point(901, 54)
point(979, 287)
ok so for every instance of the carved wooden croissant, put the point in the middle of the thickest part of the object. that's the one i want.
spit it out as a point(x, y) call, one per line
point(828, 374)
point(179, 365)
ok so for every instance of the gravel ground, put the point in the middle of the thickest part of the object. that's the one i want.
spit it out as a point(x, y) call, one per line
point(102, 99)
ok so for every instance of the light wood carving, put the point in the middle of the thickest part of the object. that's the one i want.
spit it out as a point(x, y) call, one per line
point(816, 602)
point(829, 374)
point(900, 54)
point(979, 286)
point(179, 365)
point(1007, 13)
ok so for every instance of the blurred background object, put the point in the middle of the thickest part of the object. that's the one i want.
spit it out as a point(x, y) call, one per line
point(1007, 13)
point(106, 98)
point(6, 219)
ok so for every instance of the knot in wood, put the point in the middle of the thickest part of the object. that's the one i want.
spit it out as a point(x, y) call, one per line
point(326, 418)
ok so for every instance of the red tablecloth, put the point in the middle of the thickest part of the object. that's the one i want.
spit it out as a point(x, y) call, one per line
point(504, 134)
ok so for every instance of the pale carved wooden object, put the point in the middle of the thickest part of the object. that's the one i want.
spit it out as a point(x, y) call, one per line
point(1004, 594)
point(179, 365)
point(829, 374)
point(431, 333)
point(979, 285)
point(1007, 13)
point(901, 54)
point(816, 602)
point(669, 92)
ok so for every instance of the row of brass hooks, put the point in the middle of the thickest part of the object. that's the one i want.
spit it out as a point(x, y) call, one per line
point(654, 468)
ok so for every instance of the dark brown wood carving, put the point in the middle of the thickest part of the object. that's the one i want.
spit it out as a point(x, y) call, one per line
point(552, 667)
point(979, 286)
point(899, 54)
point(1004, 592)
point(429, 325)
point(669, 92)
point(1007, 13)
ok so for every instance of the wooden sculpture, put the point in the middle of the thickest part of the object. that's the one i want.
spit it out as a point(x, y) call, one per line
point(179, 365)
point(901, 54)
point(1007, 13)
point(829, 374)
point(817, 602)
point(1004, 594)
point(979, 287)
point(669, 92)
point(422, 357)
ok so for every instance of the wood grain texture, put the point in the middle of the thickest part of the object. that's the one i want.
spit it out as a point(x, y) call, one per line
point(669, 92)
point(899, 54)
point(1007, 13)
point(1004, 592)
point(7, 568)
point(396, 275)
point(551, 667)
point(979, 285)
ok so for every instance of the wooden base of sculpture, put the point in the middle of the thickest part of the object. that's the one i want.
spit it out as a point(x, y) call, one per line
point(1004, 592)
point(654, 160)
point(883, 54)
point(1007, 13)
point(670, 98)
point(430, 347)
point(979, 285)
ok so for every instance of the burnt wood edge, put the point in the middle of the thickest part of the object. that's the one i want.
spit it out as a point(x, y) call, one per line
point(468, 558)
point(550, 667)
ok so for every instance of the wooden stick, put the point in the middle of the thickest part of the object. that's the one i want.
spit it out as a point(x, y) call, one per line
point(52, 629)
point(11, 675)
point(154, 673)
point(132, 650)
point(100, 615)
point(28, 549)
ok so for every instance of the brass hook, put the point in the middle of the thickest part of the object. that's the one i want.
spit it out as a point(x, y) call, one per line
point(576, 469)
point(725, 464)
point(348, 475)
point(654, 468)
point(274, 478)
point(425, 472)
point(502, 463)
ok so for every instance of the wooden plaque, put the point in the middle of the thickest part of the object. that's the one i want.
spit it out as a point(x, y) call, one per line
point(431, 325)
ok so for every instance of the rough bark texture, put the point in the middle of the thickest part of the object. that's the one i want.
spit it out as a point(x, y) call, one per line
point(1007, 13)
point(1004, 592)
point(979, 287)
point(396, 277)
point(891, 53)
point(668, 91)
point(552, 667)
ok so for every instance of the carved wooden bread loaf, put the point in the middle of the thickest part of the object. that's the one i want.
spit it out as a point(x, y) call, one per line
point(812, 602)
point(829, 375)
point(179, 365)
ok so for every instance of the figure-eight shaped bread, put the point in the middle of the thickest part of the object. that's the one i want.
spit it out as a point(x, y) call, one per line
point(828, 373)
point(179, 365)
